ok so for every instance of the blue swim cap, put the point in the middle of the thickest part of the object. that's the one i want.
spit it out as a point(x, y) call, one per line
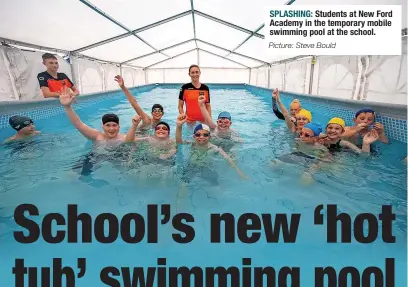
point(201, 127)
point(315, 128)
point(364, 111)
point(224, 115)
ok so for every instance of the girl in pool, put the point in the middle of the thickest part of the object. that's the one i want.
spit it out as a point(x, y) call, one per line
point(200, 161)
point(299, 117)
point(335, 130)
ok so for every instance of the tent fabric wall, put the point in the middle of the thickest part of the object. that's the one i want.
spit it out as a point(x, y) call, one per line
point(133, 77)
point(208, 75)
point(337, 76)
point(88, 75)
point(109, 72)
point(8, 91)
point(387, 78)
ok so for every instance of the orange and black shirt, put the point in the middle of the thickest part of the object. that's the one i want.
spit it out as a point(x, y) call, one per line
point(189, 94)
point(54, 84)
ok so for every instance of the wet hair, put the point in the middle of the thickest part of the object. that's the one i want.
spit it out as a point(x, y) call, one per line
point(107, 118)
point(48, 56)
point(193, 66)
point(157, 106)
point(165, 124)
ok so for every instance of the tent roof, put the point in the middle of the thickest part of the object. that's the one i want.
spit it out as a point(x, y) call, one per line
point(158, 33)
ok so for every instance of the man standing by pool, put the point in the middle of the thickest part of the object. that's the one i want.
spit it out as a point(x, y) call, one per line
point(51, 82)
point(190, 92)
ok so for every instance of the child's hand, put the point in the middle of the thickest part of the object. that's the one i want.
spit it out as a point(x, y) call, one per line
point(275, 94)
point(66, 98)
point(370, 137)
point(361, 127)
point(120, 81)
point(379, 128)
point(181, 119)
point(322, 138)
point(201, 100)
point(136, 120)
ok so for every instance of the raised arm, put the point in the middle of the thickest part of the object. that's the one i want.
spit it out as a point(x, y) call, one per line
point(204, 112)
point(275, 109)
point(130, 136)
point(289, 123)
point(145, 118)
point(66, 100)
point(181, 119)
point(352, 131)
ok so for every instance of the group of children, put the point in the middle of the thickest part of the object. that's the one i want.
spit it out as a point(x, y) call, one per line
point(314, 143)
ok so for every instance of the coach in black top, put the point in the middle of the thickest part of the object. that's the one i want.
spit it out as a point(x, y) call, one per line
point(51, 82)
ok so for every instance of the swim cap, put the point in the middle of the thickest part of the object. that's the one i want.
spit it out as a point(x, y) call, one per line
point(110, 118)
point(364, 111)
point(295, 102)
point(224, 115)
point(201, 127)
point(306, 114)
point(157, 106)
point(337, 121)
point(315, 128)
point(20, 122)
point(165, 124)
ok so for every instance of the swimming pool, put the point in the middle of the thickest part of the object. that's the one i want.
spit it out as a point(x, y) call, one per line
point(42, 173)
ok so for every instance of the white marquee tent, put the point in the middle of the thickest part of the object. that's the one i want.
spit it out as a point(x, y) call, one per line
point(155, 41)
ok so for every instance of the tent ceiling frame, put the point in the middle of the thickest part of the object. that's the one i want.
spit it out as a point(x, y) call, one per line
point(33, 46)
point(194, 27)
point(198, 49)
point(229, 24)
point(169, 19)
point(39, 47)
point(100, 12)
point(238, 54)
point(184, 42)
point(225, 58)
point(289, 2)
point(247, 38)
point(141, 29)
point(152, 53)
point(176, 56)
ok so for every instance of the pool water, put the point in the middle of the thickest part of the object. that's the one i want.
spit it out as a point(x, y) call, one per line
point(41, 172)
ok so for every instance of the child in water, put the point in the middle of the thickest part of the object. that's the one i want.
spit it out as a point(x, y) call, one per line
point(335, 130)
point(308, 152)
point(364, 119)
point(298, 118)
point(200, 161)
point(24, 126)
